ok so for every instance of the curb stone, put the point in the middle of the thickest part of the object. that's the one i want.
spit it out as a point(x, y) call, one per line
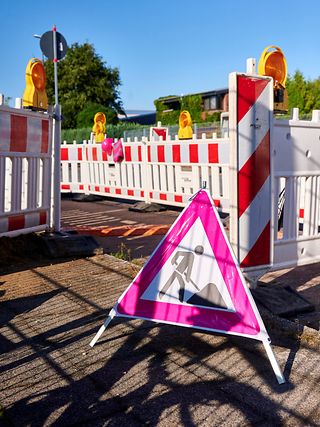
point(308, 337)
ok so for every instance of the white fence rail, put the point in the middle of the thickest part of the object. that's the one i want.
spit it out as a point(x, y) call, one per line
point(25, 171)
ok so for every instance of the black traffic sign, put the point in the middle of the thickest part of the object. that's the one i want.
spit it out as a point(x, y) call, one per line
point(46, 45)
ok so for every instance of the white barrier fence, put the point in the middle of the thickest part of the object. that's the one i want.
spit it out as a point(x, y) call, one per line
point(296, 153)
point(164, 172)
point(245, 175)
point(25, 171)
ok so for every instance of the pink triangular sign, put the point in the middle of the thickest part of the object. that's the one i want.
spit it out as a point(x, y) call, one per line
point(193, 279)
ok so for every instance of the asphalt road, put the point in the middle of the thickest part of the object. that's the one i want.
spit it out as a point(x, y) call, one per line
point(114, 213)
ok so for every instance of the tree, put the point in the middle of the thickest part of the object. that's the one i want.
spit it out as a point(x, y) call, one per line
point(86, 116)
point(83, 77)
point(303, 94)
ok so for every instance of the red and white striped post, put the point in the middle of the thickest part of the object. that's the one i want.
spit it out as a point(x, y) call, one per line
point(251, 115)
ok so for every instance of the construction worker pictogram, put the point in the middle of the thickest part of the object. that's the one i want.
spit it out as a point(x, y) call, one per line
point(184, 267)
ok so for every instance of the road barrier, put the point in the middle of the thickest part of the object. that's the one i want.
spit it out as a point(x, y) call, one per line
point(162, 172)
point(245, 174)
point(25, 171)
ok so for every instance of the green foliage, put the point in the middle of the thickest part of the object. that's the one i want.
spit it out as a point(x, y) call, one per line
point(168, 118)
point(83, 77)
point(303, 94)
point(213, 117)
point(191, 103)
point(86, 116)
point(113, 131)
point(123, 253)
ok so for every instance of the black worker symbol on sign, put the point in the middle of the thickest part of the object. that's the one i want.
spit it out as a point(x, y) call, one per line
point(182, 271)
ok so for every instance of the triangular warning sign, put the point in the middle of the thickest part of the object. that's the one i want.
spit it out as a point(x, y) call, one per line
point(194, 256)
point(193, 279)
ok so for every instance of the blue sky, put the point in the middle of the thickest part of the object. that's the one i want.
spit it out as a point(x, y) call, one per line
point(164, 47)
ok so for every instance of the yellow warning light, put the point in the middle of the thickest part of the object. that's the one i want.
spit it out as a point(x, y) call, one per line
point(35, 96)
point(273, 63)
point(185, 123)
point(99, 127)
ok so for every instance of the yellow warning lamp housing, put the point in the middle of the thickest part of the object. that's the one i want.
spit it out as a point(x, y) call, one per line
point(99, 127)
point(185, 123)
point(35, 96)
point(273, 63)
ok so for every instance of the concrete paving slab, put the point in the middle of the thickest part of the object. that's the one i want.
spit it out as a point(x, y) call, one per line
point(140, 372)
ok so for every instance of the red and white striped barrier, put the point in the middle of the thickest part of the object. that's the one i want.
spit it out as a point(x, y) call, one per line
point(22, 133)
point(252, 103)
point(167, 173)
point(25, 171)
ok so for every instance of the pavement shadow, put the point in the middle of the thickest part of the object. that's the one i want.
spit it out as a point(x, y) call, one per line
point(121, 393)
point(138, 374)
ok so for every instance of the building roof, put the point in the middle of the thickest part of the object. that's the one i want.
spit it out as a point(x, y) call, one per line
point(208, 93)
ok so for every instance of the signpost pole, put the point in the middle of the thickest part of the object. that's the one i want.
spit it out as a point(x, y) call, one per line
point(56, 160)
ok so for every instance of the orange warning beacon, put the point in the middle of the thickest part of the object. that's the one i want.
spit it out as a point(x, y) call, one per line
point(185, 123)
point(99, 127)
point(273, 63)
point(35, 96)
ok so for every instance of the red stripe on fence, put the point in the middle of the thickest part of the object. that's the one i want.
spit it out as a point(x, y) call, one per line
point(118, 190)
point(79, 153)
point(178, 199)
point(64, 154)
point(249, 90)
point(139, 153)
point(94, 154)
point(141, 193)
point(44, 136)
point(176, 155)
point(217, 203)
point(163, 196)
point(149, 153)
point(96, 188)
point(127, 154)
point(81, 187)
point(259, 254)
point(65, 186)
point(253, 174)
point(301, 213)
point(42, 218)
point(193, 152)
point(16, 222)
point(104, 156)
point(213, 153)
point(18, 133)
point(107, 189)
point(130, 192)
point(160, 153)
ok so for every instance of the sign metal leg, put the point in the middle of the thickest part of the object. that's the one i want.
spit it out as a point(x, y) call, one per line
point(103, 327)
point(274, 363)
